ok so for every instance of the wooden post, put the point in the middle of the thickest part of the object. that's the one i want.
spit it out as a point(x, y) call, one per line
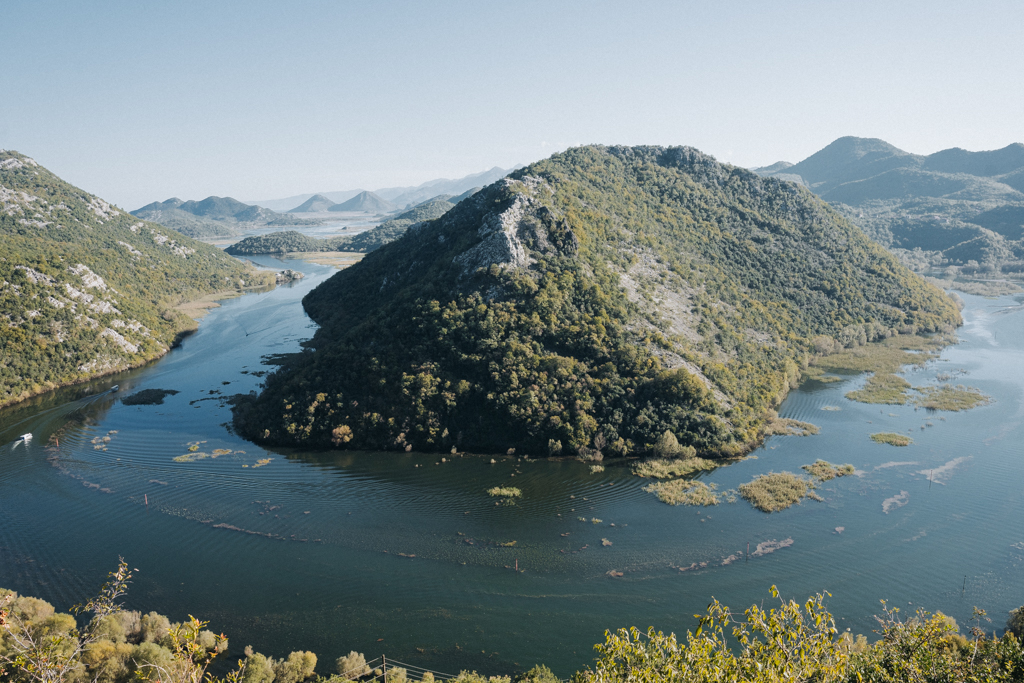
point(384, 666)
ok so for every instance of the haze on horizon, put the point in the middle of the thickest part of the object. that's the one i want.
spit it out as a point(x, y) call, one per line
point(139, 102)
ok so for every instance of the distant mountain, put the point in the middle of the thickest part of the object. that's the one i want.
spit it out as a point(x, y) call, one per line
point(86, 288)
point(314, 204)
point(390, 230)
point(958, 210)
point(365, 201)
point(213, 216)
point(401, 197)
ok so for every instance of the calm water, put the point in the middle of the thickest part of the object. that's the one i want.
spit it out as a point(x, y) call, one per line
point(312, 550)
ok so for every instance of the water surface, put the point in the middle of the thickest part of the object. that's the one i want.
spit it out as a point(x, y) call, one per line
point(408, 556)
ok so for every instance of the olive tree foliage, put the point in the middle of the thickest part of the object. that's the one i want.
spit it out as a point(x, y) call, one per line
point(792, 642)
point(352, 666)
point(41, 646)
point(297, 667)
point(1015, 624)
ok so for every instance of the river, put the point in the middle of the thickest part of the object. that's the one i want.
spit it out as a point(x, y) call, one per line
point(407, 555)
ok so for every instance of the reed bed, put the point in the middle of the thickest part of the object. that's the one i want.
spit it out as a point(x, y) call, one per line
point(784, 426)
point(822, 470)
point(671, 469)
point(951, 398)
point(684, 492)
point(892, 439)
point(777, 491)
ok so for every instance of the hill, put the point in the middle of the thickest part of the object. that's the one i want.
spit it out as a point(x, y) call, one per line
point(213, 216)
point(587, 304)
point(291, 241)
point(956, 210)
point(88, 289)
point(316, 203)
point(365, 201)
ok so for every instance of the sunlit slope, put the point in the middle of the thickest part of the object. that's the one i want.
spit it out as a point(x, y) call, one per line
point(589, 303)
point(86, 287)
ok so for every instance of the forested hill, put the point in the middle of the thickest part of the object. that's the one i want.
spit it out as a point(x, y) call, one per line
point(589, 303)
point(86, 288)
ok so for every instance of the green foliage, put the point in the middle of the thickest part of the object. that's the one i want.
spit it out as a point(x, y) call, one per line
point(1015, 624)
point(86, 288)
point(822, 470)
point(892, 439)
point(777, 491)
point(684, 492)
point(547, 335)
point(670, 469)
point(352, 666)
point(297, 667)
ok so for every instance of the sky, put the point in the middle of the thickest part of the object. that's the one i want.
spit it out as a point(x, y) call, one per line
point(141, 101)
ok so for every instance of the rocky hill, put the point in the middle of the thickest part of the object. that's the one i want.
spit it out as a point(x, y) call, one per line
point(213, 216)
point(314, 204)
point(586, 305)
point(365, 201)
point(87, 288)
point(955, 210)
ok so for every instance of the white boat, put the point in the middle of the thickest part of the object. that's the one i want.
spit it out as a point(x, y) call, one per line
point(114, 388)
point(25, 437)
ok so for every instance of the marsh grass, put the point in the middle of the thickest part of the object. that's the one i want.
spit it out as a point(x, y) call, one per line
point(504, 492)
point(977, 288)
point(777, 491)
point(884, 389)
point(670, 469)
point(595, 469)
point(784, 426)
point(892, 439)
point(684, 492)
point(951, 398)
point(822, 470)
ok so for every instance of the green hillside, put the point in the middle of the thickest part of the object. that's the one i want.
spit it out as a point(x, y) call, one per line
point(956, 210)
point(588, 304)
point(87, 288)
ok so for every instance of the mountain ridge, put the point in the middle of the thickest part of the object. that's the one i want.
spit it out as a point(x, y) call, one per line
point(587, 304)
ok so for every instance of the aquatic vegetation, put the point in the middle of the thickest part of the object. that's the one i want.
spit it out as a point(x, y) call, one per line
point(777, 491)
point(822, 470)
point(684, 492)
point(504, 492)
point(508, 544)
point(595, 469)
point(670, 469)
point(834, 409)
point(595, 520)
point(605, 542)
point(892, 439)
point(784, 426)
point(897, 501)
point(951, 398)
point(148, 397)
point(263, 461)
point(882, 388)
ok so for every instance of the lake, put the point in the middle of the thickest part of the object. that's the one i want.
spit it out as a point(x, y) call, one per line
point(407, 555)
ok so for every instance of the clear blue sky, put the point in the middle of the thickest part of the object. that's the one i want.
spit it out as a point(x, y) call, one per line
point(142, 100)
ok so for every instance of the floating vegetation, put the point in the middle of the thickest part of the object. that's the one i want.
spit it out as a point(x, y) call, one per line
point(940, 474)
point(605, 542)
point(784, 426)
point(768, 547)
point(670, 469)
point(822, 470)
point(897, 501)
point(148, 397)
point(595, 469)
point(507, 494)
point(834, 409)
point(507, 544)
point(777, 491)
point(263, 461)
point(896, 463)
point(195, 454)
point(615, 573)
point(582, 519)
point(951, 398)
point(840, 529)
point(884, 389)
point(684, 492)
point(595, 520)
point(892, 439)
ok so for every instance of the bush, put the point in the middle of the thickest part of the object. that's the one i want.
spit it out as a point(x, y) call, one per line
point(352, 666)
